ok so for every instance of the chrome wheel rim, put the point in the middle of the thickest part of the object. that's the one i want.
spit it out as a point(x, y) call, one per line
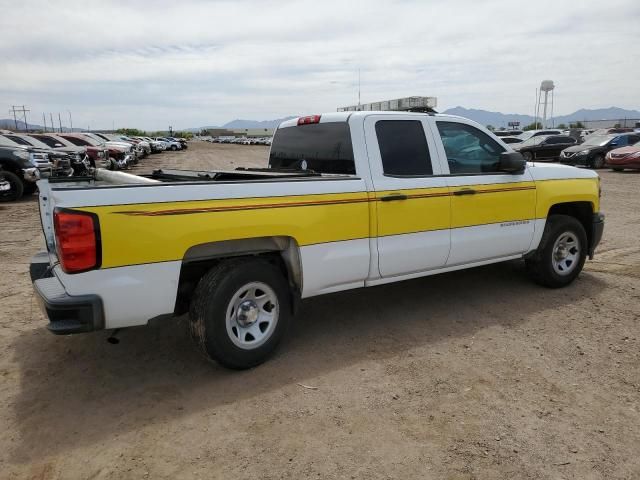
point(565, 254)
point(252, 315)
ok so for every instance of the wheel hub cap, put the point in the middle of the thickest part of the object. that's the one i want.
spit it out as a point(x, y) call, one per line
point(566, 253)
point(247, 313)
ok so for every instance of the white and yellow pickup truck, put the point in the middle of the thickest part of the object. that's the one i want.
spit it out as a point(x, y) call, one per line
point(349, 200)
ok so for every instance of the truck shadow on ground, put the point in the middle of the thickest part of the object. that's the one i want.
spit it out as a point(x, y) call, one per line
point(80, 390)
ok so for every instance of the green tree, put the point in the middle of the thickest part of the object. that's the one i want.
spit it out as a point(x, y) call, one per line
point(562, 126)
point(533, 126)
point(132, 132)
point(576, 125)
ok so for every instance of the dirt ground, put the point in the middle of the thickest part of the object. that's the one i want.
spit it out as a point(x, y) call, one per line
point(470, 375)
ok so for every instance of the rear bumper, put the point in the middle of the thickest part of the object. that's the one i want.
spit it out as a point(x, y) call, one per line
point(66, 313)
point(597, 227)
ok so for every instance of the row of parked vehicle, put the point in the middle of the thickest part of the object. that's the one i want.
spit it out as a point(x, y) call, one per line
point(25, 158)
point(616, 148)
point(239, 140)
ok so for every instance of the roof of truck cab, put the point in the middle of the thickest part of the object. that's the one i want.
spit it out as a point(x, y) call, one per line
point(345, 116)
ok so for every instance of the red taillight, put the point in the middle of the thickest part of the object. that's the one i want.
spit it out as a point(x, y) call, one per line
point(309, 120)
point(77, 240)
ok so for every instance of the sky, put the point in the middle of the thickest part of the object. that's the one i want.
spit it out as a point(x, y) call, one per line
point(192, 63)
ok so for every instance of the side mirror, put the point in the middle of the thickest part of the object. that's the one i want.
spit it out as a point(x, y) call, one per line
point(613, 144)
point(511, 162)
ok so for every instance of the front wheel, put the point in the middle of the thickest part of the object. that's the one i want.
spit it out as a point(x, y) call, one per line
point(527, 156)
point(16, 189)
point(561, 253)
point(240, 311)
point(597, 162)
point(173, 148)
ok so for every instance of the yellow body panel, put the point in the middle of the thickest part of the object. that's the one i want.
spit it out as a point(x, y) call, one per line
point(552, 192)
point(145, 233)
point(425, 209)
point(156, 232)
point(493, 204)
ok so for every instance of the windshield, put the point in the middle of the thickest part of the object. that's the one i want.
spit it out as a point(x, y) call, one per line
point(530, 142)
point(18, 140)
point(599, 140)
point(321, 147)
point(80, 142)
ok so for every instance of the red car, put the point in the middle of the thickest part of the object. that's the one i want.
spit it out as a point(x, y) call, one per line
point(625, 157)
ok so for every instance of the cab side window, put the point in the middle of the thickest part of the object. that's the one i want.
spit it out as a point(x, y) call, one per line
point(403, 148)
point(468, 149)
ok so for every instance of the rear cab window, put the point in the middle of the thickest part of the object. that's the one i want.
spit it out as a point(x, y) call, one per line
point(320, 147)
point(403, 148)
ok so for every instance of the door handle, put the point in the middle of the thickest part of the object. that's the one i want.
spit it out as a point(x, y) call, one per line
point(466, 191)
point(393, 197)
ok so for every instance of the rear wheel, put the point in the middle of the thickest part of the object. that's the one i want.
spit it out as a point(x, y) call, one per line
point(240, 311)
point(17, 187)
point(527, 156)
point(173, 148)
point(561, 254)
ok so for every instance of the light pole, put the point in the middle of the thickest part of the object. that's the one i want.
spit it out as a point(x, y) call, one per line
point(70, 120)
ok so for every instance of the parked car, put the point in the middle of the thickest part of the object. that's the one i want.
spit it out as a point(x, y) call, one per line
point(111, 155)
point(171, 144)
point(507, 140)
point(592, 152)
point(142, 146)
point(61, 160)
point(544, 147)
point(156, 146)
point(625, 157)
point(22, 167)
point(507, 133)
point(534, 133)
point(240, 249)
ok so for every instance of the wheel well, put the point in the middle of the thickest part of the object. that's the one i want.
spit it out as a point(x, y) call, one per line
point(582, 211)
point(199, 259)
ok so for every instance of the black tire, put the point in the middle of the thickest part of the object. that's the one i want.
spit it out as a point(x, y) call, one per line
point(597, 162)
point(173, 148)
point(617, 169)
point(541, 264)
point(528, 156)
point(29, 188)
point(17, 187)
point(211, 303)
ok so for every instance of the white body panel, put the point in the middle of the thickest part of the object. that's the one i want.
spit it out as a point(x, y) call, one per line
point(130, 295)
point(335, 266)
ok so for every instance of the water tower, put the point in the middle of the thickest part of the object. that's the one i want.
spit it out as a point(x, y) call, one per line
point(546, 86)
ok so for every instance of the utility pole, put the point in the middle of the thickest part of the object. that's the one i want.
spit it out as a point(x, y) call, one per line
point(59, 122)
point(70, 120)
point(53, 126)
point(23, 110)
point(44, 122)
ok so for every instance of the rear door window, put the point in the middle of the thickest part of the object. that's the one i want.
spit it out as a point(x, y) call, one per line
point(403, 148)
point(321, 147)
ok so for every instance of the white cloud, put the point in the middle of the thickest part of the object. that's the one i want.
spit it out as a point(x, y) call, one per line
point(149, 64)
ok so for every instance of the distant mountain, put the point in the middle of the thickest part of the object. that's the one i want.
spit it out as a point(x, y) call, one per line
point(498, 119)
point(9, 124)
point(255, 123)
